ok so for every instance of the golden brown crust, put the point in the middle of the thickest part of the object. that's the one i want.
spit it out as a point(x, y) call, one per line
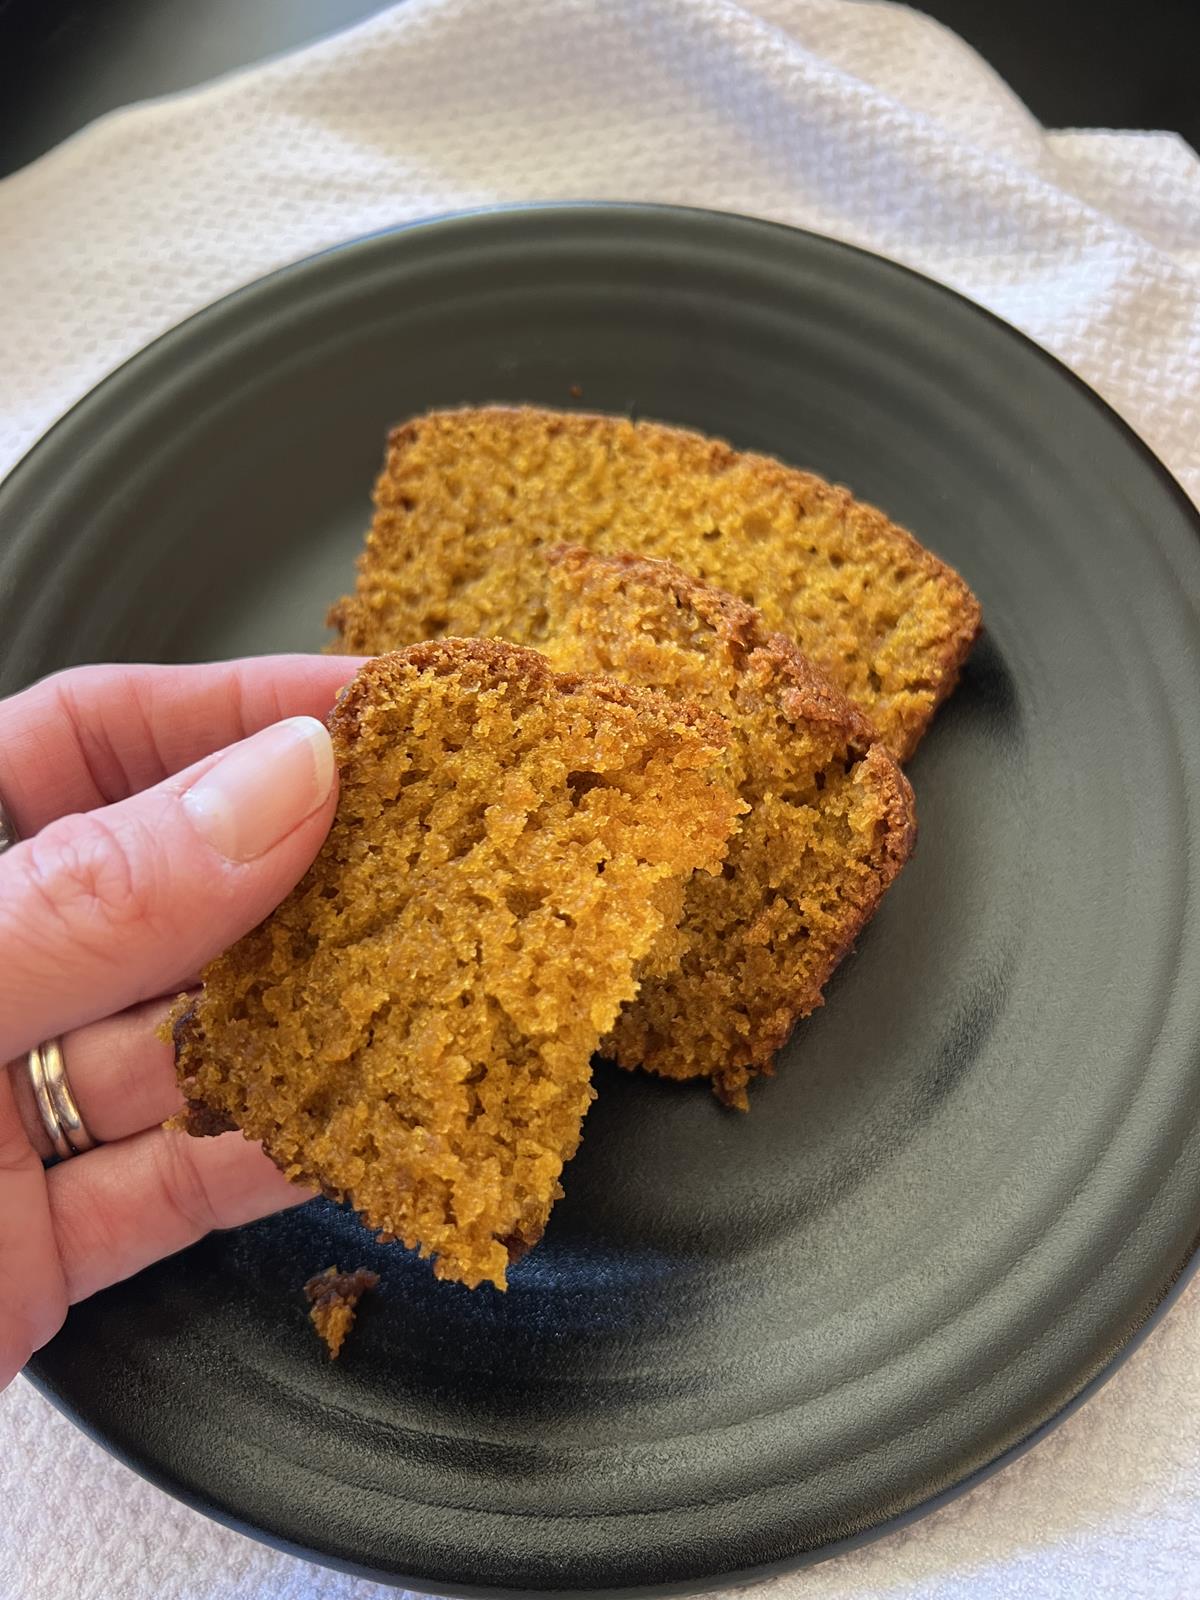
point(182, 1031)
point(899, 834)
point(496, 660)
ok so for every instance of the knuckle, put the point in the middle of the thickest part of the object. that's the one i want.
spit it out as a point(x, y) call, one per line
point(81, 872)
point(97, 1231)
point(103, 707)
point(182, 1186)
point(64, 686)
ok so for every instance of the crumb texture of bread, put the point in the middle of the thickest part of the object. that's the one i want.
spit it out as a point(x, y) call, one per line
point(334, 1297)
point(466, 496)
point(829, 821)
point(412, 1030)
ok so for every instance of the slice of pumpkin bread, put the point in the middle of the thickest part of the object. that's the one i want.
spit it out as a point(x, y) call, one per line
point(830, 817)
point(465, 498)
point(411, 1030)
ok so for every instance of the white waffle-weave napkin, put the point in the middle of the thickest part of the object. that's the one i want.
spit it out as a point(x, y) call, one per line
point(862, 120)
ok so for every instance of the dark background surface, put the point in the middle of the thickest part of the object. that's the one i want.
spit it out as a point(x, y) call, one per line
point(1076, 63)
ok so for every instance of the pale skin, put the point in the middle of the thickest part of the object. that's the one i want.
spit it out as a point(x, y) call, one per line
point(148, 846)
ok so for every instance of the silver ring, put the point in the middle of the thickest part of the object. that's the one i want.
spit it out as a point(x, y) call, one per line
point(60, 1116)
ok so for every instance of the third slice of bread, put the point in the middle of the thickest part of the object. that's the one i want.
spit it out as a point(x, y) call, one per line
point(830, 817)
point(465, 498)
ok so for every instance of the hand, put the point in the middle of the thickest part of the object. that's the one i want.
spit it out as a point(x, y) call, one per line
point(143, 856)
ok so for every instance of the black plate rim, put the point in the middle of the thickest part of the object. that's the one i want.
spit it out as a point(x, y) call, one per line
point(454, 219)
point(1186, 1269)
point(743, 1575)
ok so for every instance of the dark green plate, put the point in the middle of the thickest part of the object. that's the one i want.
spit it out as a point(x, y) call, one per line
point(744, 1340)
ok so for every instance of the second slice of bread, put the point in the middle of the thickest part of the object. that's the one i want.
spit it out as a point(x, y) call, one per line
point(829, 822)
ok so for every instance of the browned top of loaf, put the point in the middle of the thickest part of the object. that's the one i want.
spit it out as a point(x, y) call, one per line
point(465, 496)
point(412, 1029)
point(829, 816)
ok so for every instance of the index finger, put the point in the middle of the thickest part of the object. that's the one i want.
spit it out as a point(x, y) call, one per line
point(93, 735)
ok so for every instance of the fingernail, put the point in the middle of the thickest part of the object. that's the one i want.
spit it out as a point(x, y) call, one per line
point(262, 788)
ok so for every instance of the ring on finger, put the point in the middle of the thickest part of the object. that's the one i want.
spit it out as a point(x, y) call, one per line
point(60, 1116)
point(65, 1127)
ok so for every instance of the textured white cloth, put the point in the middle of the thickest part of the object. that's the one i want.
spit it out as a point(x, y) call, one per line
point(861, 120)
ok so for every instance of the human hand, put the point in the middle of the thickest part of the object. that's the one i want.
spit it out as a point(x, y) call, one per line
point(143, 855)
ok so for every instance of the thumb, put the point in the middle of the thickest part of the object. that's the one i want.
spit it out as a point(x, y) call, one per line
point(101, 910)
